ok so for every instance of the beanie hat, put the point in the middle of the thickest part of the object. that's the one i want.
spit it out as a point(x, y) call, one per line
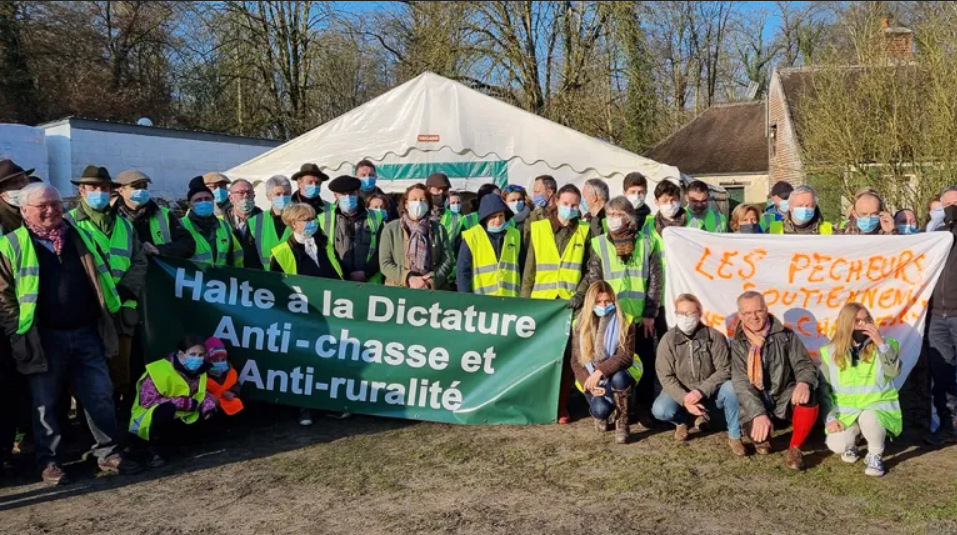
point(215, 349)
point(197, 185)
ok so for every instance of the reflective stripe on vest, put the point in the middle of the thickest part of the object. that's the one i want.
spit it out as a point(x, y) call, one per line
point(159, 227)
point(856, 389)
point(264, 233)
point(824, 229)
point(713, 221)
point(657, 243)
point(327, 222)
point(170, 384)
point(557, 276)
point(17, 247)
point(491, 275)
point(627, 279)
point(204, 252)
point(116, 249)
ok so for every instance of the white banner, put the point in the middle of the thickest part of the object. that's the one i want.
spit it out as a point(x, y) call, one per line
point(807, 279)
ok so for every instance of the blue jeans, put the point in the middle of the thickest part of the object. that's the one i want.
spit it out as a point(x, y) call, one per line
point(667, 409)
point(601, 407)
point(942, 357)
point(74, 357)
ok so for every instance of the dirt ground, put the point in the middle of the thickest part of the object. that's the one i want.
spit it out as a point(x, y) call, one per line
point(371, 475)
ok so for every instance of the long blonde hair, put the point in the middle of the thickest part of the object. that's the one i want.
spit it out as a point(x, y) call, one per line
point(844, 336)
point(588, 321)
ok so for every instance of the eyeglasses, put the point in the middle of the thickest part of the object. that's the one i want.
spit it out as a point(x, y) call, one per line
point(754, 313)
point(687, 314)
point(247, 194)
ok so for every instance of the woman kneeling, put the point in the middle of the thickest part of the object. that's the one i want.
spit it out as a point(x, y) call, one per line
point(604, 360)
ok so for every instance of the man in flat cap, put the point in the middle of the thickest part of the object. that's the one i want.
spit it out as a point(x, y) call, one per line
point(218, 183)
point(309, 180)
point(353, 232)
point(159, 230)
point(118, 244)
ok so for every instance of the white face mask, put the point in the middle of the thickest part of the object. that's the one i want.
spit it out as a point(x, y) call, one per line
point(615, 223)
point(687, 324)
point(636, 200)
point(13, 197)
point(669, 210)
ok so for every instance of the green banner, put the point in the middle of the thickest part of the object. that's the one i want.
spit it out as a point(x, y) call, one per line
point(363, 348)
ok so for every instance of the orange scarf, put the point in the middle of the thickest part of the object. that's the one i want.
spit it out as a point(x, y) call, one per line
point(757, 339)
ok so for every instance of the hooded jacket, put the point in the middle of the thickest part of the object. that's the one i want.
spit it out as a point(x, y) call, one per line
point(491, 204)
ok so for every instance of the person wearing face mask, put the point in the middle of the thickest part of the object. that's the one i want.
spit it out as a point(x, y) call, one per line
point(218, 183)
point(635, 187)
point(222, 381)
point(694, 369)
point(594, 197)
point(304, 252)
point(778, 205)
point(268, 228)
point(442, 211)
point(627, 260)
point(700, 216)
point(603, 359)
point(489, 260)
point(516, 198)
point(215, 242)
point(670, 214)
point(170, 394)
point(857, 391)
point(118, 243)
point(935, 214)
point(544, 196)
point(380, 204)
point(803, 217)
point(158, 229)
point(353, 232)
point(745, 219)
point(415, 251)
point(13, 178)
point(869, 217)
point(906, 221)
point(242, 208)
point(942, 333)
point(309, 180)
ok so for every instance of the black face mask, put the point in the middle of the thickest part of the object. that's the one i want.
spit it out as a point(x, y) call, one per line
point(438, 201)
point(750, 228)
point(859, 336)
point(950, 214)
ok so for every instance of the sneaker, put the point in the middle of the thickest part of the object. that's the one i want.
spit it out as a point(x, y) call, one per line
point(851, 454)
point(873, 465)
point(118, 464)
point(53, 474)
point(305, 417)
point(794, 459)
point(737, 447)
point(681, 433)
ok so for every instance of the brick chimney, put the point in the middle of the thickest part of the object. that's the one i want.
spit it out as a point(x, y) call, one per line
point(896, 42)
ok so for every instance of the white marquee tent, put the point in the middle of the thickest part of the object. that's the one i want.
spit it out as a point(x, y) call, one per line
point(431, 124)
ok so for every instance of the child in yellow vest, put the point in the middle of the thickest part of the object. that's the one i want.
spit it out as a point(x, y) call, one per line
point(222, 381)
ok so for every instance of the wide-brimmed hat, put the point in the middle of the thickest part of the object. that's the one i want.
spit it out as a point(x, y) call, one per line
point(131, 176)
point(215, 177)
point(310, 169)
point(10, 170)
point(94, 175)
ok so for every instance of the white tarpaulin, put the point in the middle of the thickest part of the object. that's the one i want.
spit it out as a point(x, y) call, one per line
point(807, 279)
point(431, 123)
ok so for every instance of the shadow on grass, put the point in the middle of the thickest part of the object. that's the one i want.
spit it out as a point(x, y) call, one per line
point(266, 430)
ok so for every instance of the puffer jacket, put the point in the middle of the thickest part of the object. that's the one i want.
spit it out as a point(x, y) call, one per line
point(785, 361)
point(697, 362)
point(653, 288)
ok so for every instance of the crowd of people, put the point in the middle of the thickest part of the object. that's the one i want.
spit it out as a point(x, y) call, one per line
point(71, 284)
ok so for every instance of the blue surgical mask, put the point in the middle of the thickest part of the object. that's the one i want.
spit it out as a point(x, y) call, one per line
point(583, 205)
point(516, 207)
point(540, 200)
point(937, 214)
point(220, 367)
point(192, 362)
point(348, 203)
point(280, 202)
point(495, 229)
point(382, 212)
point(567, 213)
point(455, 208)
point(601, 311)
point(97, 200)
point(139, 197)
point(203, 208)
point(311, 191)
point(783, 206)
point(868, 224)
point(246, 205)
point(368, 183)
point(802, 214)
point(220, 195)
point(312, 226)
point(907, 229)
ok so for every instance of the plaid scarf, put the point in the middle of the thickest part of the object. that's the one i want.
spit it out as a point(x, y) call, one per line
point(56, 236)
point(757, 339)
point(418, 251)
point(624, 239)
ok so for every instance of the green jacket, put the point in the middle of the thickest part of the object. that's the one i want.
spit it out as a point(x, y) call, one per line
point(392, 255)
point(561, 240)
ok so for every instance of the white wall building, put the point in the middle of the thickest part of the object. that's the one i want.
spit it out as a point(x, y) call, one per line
point(170, 157)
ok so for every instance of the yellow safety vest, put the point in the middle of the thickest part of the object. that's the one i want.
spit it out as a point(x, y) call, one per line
point(657, 243)
point(287, 259)
point(629, 280)
point(264, 234)
point(863, 387)
point(169, 383)
point(491, 275)
point(713, 221)
point(116, 249)
point(228, 251)
point(455, 224)
point(159, 227)
point(327, 222)
point(824, 229)
point(17, 247)
point(557, 275)
point(636, 370)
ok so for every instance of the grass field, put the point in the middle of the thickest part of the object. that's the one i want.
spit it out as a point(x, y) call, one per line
point(369, 475)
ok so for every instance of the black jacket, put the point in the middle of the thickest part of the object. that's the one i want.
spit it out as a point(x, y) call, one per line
point(245, 236)
point(182, 245)
point(944, 300)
